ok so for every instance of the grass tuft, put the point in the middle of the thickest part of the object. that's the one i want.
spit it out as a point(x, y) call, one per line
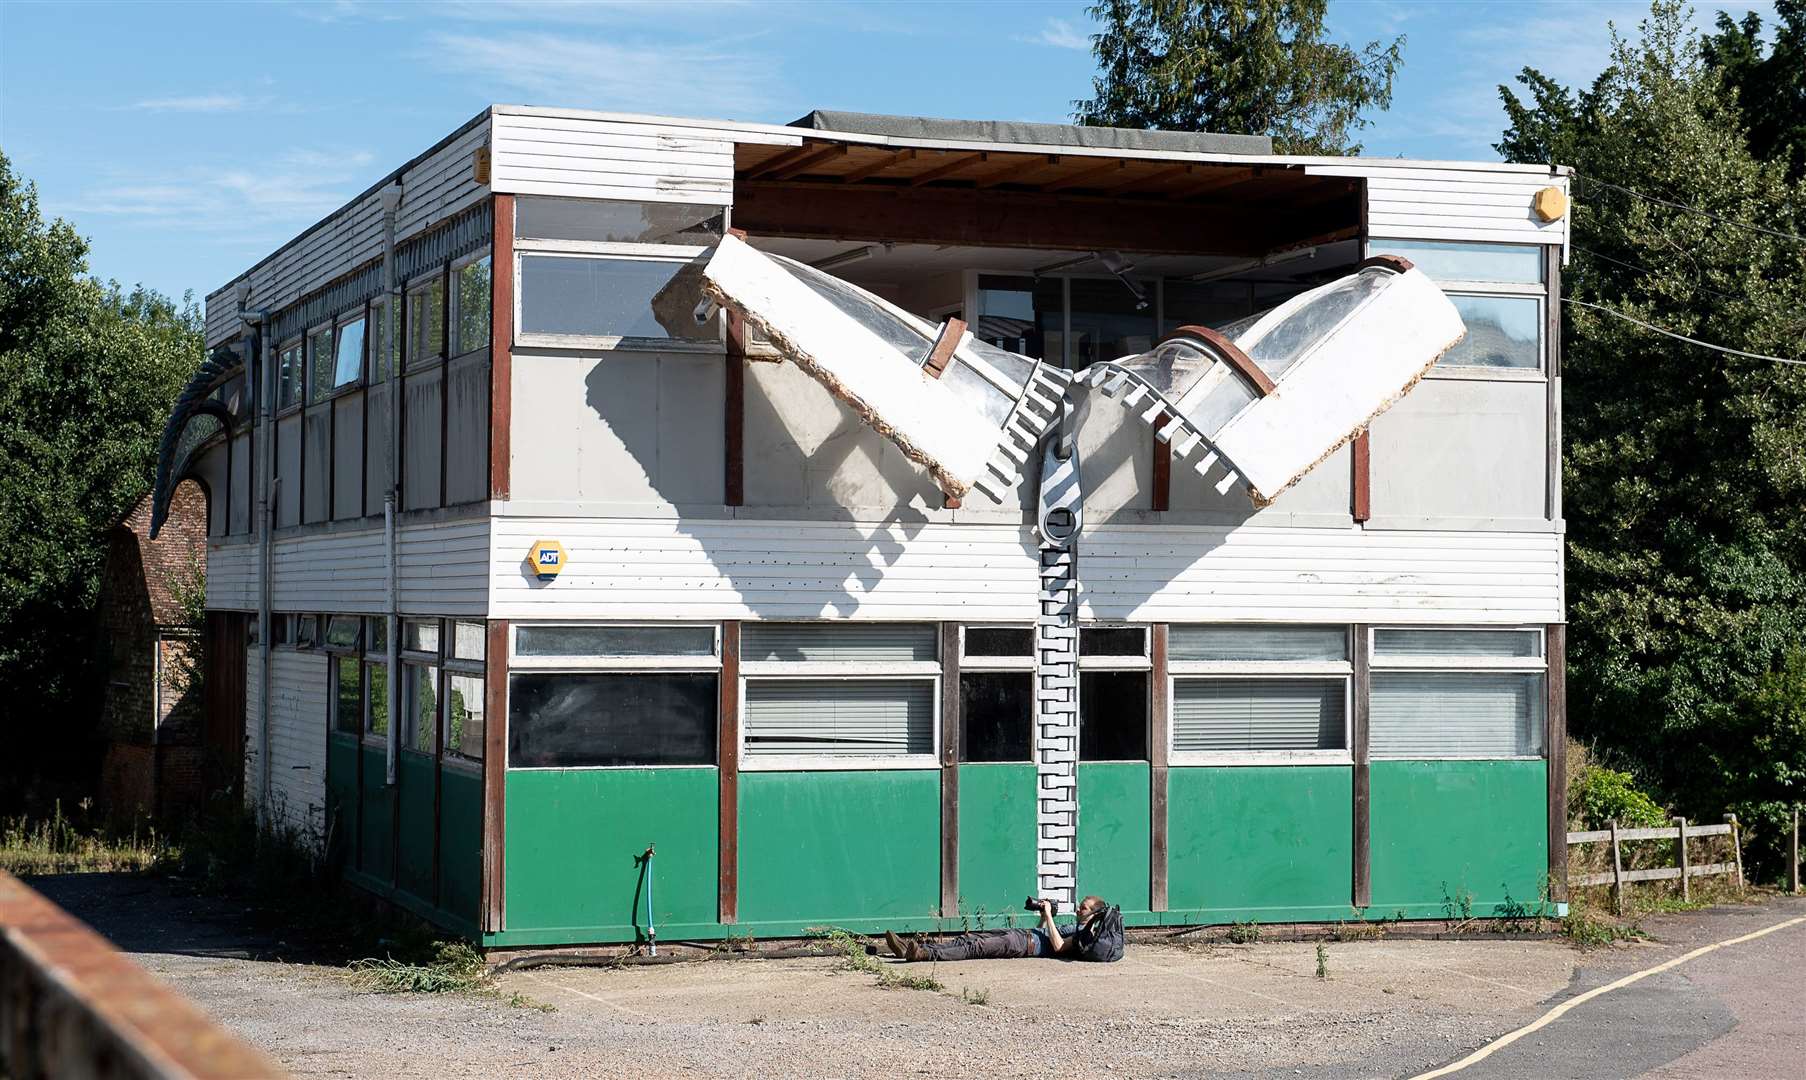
point(78, 844)
point(980, 996)
point(1245, 933)
point(1322, 960)
point(455, 968)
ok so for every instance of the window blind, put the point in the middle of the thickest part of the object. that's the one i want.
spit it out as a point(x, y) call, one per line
point(1424, 714)
point(1227, 715)
point(1393, 644)
point(839, 717)
point(1294, 643)
point(861, 643)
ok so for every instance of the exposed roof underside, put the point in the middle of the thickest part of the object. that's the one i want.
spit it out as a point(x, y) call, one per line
point(1011, 131)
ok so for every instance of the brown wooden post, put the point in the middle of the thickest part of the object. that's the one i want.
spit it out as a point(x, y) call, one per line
point(1617, 871)
point(1555, 752)
point(949, 770)
point(1358, 750)
point(501, 345)
point(1686, 885)
point(727, 759)
point(1736, 846)
point(1361, 497)
point(734, 414)
point(495, 770)
point(1161, 497)
point(1159, 744)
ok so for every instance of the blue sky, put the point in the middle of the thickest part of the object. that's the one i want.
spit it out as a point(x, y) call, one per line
point(188, 140)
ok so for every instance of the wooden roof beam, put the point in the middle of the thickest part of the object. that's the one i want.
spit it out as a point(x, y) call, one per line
point(1152, 179)
point(781, 159)
point(895, 157)
point(1085, 177)
point(940, 172)
point(1018, 169)
point(810, 161)
point(1216, 178)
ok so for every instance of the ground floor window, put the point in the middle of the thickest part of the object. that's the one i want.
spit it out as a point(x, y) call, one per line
point(1259, 692)
point(1114, 701)
point(997, 694)
point(1457, 693)
point(817, 694)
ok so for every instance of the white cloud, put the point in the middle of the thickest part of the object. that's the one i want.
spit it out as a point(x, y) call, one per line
point(1059, 34)
point(197, 103)
point(580, 72)
point(230, 203)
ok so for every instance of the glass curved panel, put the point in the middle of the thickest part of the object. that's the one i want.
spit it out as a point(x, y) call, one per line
point(1276, 347)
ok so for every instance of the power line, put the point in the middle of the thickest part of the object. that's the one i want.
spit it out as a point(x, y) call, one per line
point(1694, 210)
point(1646, 271)
point(1682, 337)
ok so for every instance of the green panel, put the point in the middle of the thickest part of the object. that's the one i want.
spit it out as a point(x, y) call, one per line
point(1114, 820)
point(996, 840)
point(461, 842)
point(573, 841)
point(341, 800)
point(376, 818)
point(1444, 830)
point(414, 794)
point(829, 846)
point(1260, 842)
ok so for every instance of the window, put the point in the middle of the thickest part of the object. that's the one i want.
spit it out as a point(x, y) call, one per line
point(469, 640)
point(348, 695)
point(343, 631)
point(348, 354)
point(419, 706)
point(818, 694)
point(420, 635)
point(1457, 693)
point(472, 298)
point(1107, 319)
point(464, 716)
point(320, 364)
point(612, 221)
point(376, 699)
point(307, 631)
point(612, 298)
point(616, 696)
point(385, 340)
point(1113, 693)
point(997, 694)
point(291, 365)
point(376, 635)
point(1246, 694)
point(1499, 291)
point(426, 321)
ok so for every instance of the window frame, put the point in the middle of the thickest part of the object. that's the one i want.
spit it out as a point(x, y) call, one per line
point(677, 254)
point(1461, 287)
point(931, 671)
point(454, 310)
point(1144, 662)
point(1526, 665)
point(330, 328)
point(299, 341)
point(360, 313)
point(613, 665)
point(1262, 669)
point(423, 280)
point(1000, 665)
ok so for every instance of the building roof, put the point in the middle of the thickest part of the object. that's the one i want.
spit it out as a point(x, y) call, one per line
point(1011, 131)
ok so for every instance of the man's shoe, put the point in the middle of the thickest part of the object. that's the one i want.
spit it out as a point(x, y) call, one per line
point(897, 948)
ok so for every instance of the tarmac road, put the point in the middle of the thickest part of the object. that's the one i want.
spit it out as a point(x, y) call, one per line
point(1389, 1008)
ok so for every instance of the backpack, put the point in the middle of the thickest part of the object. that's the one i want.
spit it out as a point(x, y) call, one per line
point(1101, 938)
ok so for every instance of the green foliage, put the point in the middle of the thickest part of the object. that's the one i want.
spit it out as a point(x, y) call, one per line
point(1245, 933)
point(1685, 470)
point(1245, 67)
point(62, 844)
point(87, 374)
point(1588, 929)
point(1598, 795)
point(1322, 960)
point(454, 967)
point(1771, 85)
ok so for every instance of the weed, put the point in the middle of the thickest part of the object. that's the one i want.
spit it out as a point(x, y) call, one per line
point(455, 967)
point(981, 996)
point(1245, 933)
point(1322, 960)
point(1588, 931)
point(518, 1000)
point(760, 1019)
point(61, 844)
point(1457, 910)
point(1358, 930)
point(851, 950)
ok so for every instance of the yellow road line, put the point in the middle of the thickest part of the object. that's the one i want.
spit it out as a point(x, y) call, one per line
point(1580, 999)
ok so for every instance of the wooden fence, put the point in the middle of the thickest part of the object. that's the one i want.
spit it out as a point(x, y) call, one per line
point(1618, 877)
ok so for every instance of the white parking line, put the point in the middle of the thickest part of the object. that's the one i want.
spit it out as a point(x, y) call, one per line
point(582, 994)
point(1580, 999)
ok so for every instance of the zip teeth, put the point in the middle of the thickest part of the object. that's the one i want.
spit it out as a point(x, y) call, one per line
point(1136, 396)
point(1205, 463)
point(982, 485)
point(1114, 386)
point(1188, 442)
point(1153, 414)
point(1227, 482)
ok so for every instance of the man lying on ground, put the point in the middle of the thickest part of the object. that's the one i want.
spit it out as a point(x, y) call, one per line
point(1095, 935)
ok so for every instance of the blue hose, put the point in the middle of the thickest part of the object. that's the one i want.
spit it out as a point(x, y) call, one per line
point(651, 930)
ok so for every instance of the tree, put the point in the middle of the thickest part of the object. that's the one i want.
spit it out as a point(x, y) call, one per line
point(1771, 89)
point(1685, 469)
point(87, 375)
point(1251, 67)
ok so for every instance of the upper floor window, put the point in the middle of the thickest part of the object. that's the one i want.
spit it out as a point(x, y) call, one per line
point(426, 320)
point(472, 297)
point(618, 222)
point(385, 339)
point(320, 360)
point(1499, 289)
point(291, 366)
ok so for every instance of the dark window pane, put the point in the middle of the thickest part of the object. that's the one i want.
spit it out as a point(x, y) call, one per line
point(1108, 320)
point(1114, 641)
point(565, 720)
point(1113, 716)
point(996, 715)
point(546, 218)
point(615, 641)
point(464, 717)
point(378, 677)
point(999, 641)
point(348, 702)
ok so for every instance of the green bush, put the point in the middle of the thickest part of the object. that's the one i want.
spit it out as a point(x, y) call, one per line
point(1598, 795)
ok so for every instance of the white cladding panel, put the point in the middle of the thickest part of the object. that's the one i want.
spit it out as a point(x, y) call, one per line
point(436, 188)
point(1450, 203)
point(443, 569)
point(750, 569)
point(597, 158)
point(297, 797)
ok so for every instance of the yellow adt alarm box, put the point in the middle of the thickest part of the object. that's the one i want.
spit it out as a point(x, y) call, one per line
point(547, 558)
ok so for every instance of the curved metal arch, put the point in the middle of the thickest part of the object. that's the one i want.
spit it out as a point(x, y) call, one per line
point(191, 402)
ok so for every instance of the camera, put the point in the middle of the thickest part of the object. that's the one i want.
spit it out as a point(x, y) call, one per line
point(1034, 903)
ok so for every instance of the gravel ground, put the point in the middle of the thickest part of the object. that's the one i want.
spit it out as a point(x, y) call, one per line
point(1388, 1007)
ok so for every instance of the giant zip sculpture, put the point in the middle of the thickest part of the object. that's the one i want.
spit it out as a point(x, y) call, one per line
point(1258, 402)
